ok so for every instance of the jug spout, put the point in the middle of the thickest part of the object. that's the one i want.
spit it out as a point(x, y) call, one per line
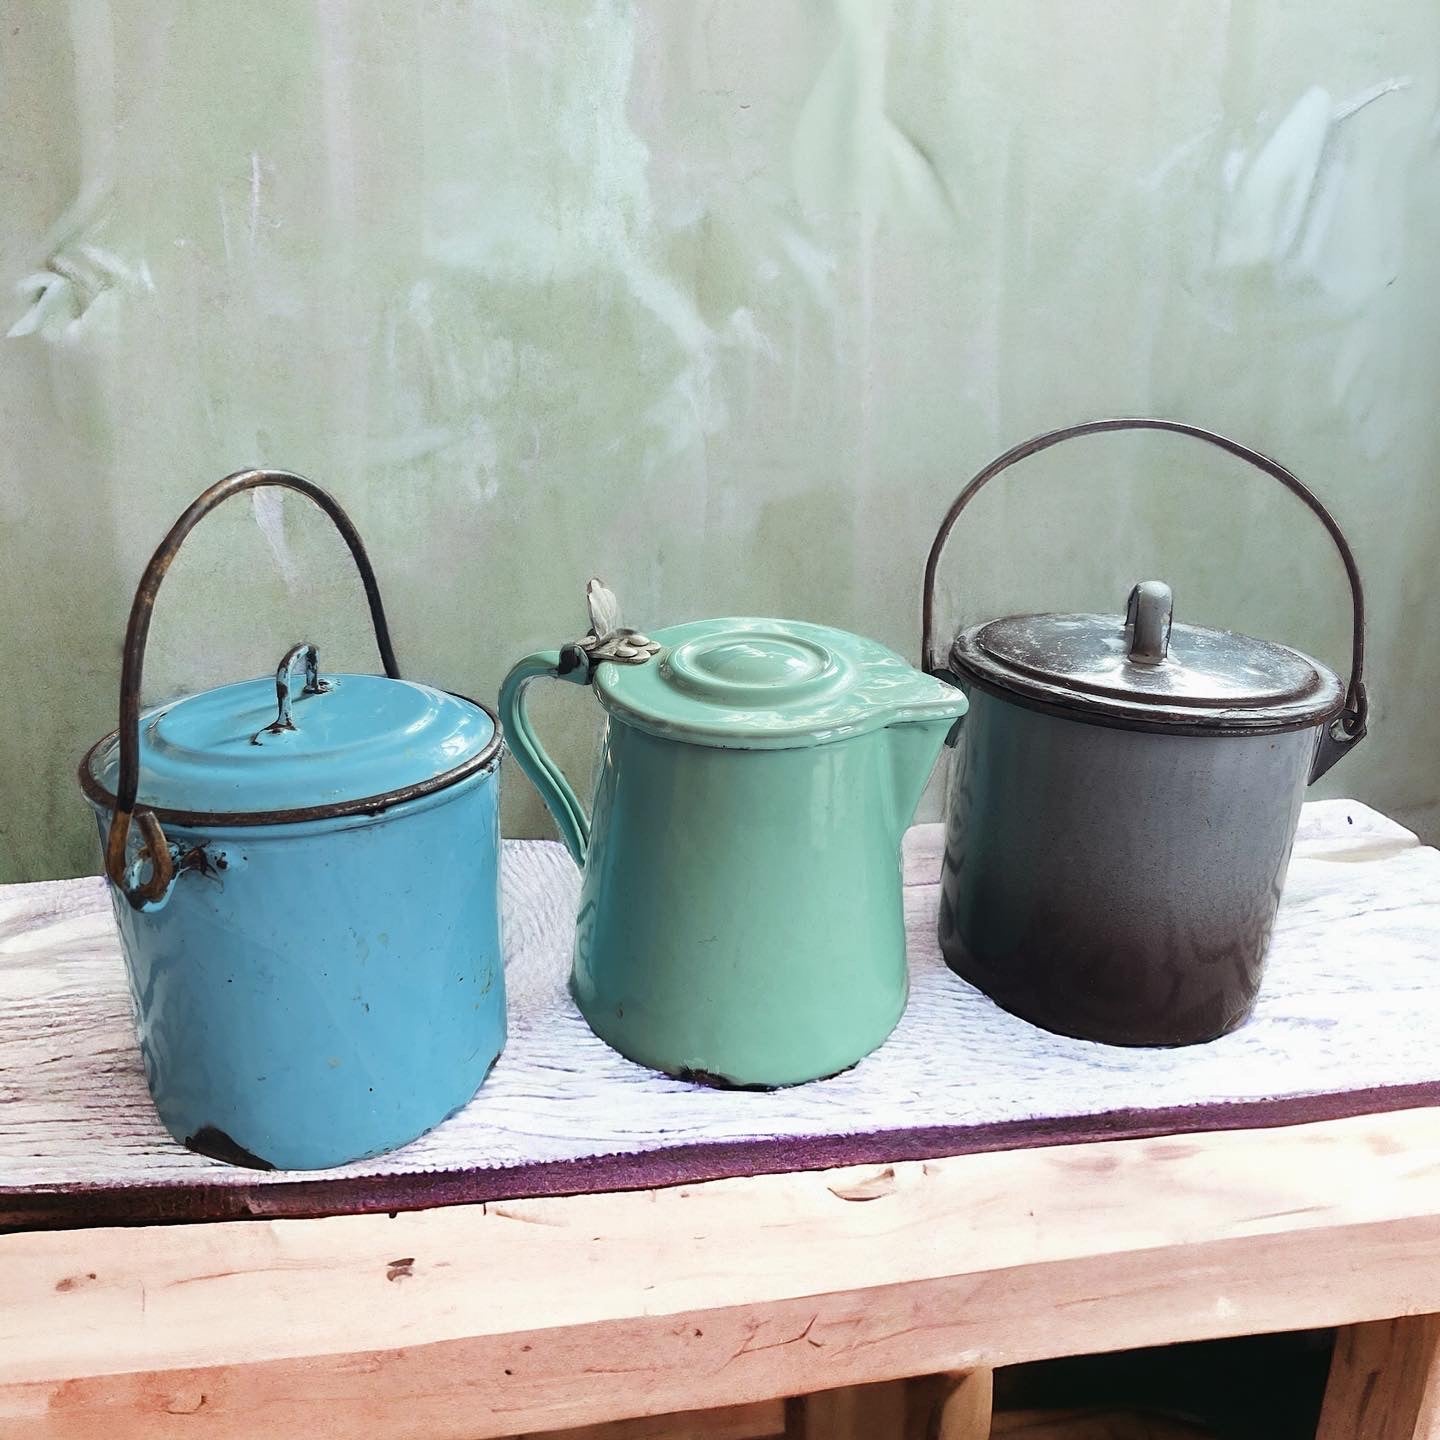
point(914, 746)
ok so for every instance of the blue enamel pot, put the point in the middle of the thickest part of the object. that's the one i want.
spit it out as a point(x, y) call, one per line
point(305, 875)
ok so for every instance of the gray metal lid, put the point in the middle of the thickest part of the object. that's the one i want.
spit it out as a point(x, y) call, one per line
point(1141, 671)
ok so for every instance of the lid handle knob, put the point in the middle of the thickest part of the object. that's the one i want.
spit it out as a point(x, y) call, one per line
point(1148, 615)
point(285, 684)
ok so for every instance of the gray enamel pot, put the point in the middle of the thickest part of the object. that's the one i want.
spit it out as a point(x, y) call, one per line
point(1124, 797)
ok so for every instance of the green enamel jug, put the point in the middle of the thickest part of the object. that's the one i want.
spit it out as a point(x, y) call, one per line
point(741, 914)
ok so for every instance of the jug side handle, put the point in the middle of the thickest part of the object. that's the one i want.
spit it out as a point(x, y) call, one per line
point(543, 773)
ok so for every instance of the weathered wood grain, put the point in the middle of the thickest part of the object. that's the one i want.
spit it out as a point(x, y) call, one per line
point(541, 1314)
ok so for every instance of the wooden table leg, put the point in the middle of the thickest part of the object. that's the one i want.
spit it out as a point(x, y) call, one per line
point(1384, 1382)
point(964, 1408)
point(853, 1412)
point(933, 1407)
point(762, 1421)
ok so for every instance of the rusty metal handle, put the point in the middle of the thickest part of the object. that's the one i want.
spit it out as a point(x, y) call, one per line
point(1352, 720)
point(132, 668)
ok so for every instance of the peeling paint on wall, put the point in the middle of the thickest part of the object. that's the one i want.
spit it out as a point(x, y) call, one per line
point(849, 152)
point(80, 283)
point(1284, 198)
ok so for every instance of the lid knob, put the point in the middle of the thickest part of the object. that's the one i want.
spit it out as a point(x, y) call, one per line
point(760, 666)
point(1148, 614)
point(284, 685)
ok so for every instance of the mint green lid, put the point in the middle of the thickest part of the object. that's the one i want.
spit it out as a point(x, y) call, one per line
point(770, 684)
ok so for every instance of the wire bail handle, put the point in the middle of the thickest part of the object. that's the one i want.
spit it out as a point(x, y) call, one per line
point(1349, 726)
point(156, 847)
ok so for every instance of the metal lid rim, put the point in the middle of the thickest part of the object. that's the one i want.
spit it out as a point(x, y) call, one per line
point(1268, 720)
point(95, 792)
point(1321, 700)
point(797, 739)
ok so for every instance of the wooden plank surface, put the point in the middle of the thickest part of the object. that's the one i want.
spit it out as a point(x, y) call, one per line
point(1384, 1382)
point(474, 1322)
point(1342, 1028)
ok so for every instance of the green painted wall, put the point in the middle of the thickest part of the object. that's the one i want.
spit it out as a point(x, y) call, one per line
point(719, 301)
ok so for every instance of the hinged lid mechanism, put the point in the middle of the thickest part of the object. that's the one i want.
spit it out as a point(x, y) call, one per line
point(1143, 671)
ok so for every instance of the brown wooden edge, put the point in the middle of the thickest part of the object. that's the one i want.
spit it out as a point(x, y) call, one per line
point(72, 1207)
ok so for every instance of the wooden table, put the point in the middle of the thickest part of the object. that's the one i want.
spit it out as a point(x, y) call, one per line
point(537, 1315)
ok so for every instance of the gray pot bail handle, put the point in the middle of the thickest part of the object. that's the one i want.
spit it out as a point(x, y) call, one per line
point(1348, 728)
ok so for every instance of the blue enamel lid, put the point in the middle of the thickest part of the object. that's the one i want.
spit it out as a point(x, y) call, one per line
point(224, 751)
